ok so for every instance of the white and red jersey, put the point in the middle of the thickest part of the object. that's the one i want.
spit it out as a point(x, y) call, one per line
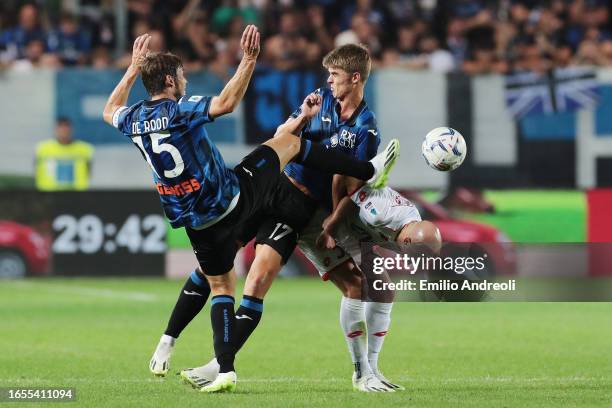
point(382, 213)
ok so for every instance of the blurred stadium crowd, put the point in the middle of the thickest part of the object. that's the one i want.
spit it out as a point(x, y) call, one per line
point(473, 36)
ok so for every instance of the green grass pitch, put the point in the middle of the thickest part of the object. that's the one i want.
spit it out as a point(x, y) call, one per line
point(98, 335)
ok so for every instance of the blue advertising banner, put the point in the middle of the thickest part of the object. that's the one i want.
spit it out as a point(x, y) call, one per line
point(273, 96)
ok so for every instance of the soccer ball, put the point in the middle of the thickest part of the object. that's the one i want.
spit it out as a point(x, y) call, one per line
point(444, 149)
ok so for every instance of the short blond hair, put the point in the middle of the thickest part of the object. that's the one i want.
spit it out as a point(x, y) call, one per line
point(350, 58)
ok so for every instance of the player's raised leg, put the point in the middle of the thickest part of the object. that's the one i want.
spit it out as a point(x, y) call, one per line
point(375, 172)
point(191, 300)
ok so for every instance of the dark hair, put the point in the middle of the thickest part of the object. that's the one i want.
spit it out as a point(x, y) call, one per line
point(154, 68)
point(350, 58)
point(63, 120)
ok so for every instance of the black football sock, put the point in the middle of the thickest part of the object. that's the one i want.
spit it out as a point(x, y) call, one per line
point(223, 319)
point(190, 302)
point(248, 316)
point(318, 156)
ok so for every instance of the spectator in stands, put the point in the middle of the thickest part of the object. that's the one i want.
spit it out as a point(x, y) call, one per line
point(606, 52)
point(63, 163)
point(70, 42)
point(290, 48)
point(407, 42)
point(483, 36)
point(589, 54)
point(531, 58)
point(484, 61)
point(197, 45)
point(563, 56)
point(456, 41)
point(318, 31)
point(101, 58)
point(362, 31)
point(366, 8)
point(225, 15)
point(15, 40)
point(35, 57)
point(438, 59)
point(156, 44)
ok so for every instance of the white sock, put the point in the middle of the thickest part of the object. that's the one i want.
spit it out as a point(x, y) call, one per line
point(167, 339)
point(353, 323)
point(378, 318)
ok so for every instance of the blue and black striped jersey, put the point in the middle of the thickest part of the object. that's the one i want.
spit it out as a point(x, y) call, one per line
point(195, 186)
point(358, 136)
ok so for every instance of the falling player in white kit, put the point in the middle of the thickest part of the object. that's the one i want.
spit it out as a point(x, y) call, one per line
point(367, 215)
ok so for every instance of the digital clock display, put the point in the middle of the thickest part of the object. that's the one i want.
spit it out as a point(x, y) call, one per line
point(90, 234)
point(102, 233)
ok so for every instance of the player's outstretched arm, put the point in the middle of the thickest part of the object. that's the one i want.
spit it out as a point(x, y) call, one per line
point(234, 90)
point(120, 94)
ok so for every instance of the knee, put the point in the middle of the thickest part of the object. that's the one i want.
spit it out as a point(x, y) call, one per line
point(223, 284)
point(261, 274)
point(291, 141)
point(350, 284)
point(258, 283)
point(353, 287)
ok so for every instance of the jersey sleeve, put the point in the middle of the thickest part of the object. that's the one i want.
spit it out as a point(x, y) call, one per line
point(195, 108)
point(119, 118)
point(360, 195)
point(368, 141)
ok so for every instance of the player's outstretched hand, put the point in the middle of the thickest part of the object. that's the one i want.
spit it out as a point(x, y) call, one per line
point(250, 42)
point(325, 241)
point(311, 105)
point(140, 49)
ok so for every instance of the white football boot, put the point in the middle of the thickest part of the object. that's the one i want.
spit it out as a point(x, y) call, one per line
point(389, 384)
point(160, 362)
point(369, 383)
point(201, 376)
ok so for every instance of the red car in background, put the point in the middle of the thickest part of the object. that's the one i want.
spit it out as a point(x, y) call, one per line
point(23, 251)
point(484, 239)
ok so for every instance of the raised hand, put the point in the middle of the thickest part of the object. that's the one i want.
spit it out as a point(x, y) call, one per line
point(250, 42)
point(140, 49)
point(311, 105)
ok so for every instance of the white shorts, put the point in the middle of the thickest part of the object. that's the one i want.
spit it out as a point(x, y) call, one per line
point(326, 260)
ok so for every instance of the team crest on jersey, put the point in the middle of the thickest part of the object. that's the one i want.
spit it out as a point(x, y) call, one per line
point(347, 139)
point(373, 211)
point(401, 201)
point(362, 195)
point(334, 140)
